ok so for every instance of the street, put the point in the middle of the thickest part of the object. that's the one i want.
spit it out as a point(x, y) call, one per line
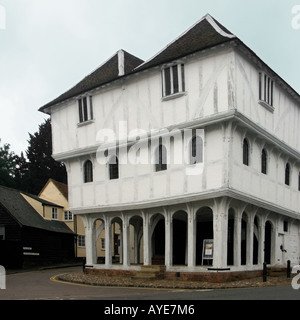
point(41, 285)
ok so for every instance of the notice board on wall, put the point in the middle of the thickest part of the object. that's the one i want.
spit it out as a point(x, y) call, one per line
point(208, 250)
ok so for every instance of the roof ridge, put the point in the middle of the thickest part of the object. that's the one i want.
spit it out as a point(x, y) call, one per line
point(217, 26)
point(102, 64)
point(115, 67)
point(214, 23)
point(121, 62)
point(94, 70)
point(61, 186)
point(41, 200)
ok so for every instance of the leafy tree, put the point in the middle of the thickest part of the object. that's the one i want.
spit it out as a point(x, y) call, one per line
point(31, 174)
point(40, 165)
point(21, 173)
point(8, 166)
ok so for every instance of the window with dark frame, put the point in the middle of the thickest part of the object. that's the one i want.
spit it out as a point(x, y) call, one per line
point(285, 226)
point(246, 152)
point(196, 155)
point(173, 79)
point(2, 232)
point(102, 244)
point(266, 88)
point(88, 171)
point(287, 174)
point(161, 158)
point(114, 168)
point(68, 216)
point(81, 241)
point(264, 161)
point(85, 107)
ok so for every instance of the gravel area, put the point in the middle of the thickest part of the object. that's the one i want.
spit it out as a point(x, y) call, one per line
point(96, 280)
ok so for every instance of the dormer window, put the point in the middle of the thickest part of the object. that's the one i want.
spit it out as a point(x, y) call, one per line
point(173, 80)
point(85, 107)
point(266, 91)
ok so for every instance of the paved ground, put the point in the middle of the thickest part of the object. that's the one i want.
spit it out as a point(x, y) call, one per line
point(45, 285)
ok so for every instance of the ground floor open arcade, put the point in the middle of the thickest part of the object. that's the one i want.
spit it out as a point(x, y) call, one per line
point(214, 234)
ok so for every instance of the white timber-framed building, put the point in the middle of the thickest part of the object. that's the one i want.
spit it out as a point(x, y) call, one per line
point(198, 145)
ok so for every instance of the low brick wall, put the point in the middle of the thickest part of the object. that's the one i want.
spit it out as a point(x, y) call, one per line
point(213, 276)
point(111, 272)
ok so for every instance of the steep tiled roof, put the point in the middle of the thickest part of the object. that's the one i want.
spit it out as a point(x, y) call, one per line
point(42, 201)
point(16, 205)
point(206, 33)
point(62, 187)
point(118, 65)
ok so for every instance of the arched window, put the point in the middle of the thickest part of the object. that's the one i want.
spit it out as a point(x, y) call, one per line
point(196, 151)
point(264, 161)
point(246, 152)
point(161, 158)
point(88, 171)
point(287, 174)
point(114, 168)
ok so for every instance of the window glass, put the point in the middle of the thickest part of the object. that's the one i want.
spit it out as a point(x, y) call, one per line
point(114, 168)
point(246, 152)
point(196, 150)
point(161, 158)
point(88, 171)
point(85, 108)
point(173, 79)
point(264, 161)
point(287, 174)
point(266, 88)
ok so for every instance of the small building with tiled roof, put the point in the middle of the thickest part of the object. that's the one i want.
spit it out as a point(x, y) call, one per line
point(57, 193)
point(26, 237)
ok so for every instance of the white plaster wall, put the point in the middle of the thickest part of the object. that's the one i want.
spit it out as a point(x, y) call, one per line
point(138, 101)
point(138, 183)
point(284, 121)
point(268, 187)
point(215, 81)
point(289, 240)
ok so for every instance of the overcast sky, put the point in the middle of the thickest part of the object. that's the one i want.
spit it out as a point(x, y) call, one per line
point(47, 46)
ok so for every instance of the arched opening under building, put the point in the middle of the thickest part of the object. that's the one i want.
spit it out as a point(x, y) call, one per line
point(230, 237)
point(117, 240)
point(136, 237)
point(100, 240)
point(268, 242)
point(244, 230)
point(158, 239)
point(255, 240)
point(179, 238)
point(204, 218)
